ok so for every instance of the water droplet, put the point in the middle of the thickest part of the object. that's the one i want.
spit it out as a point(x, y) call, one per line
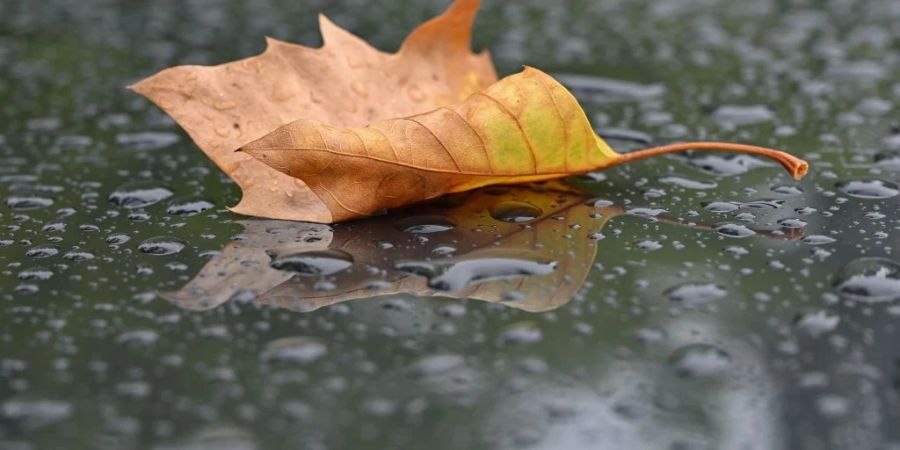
point(526, 332)
point(425, 224)
point(117, 239)
point(314, 263)
point(721, 207)
point(787, 189)
point(296, 350)
point(623, 135)
point(645, 212)
point(600, 203)
point(161, 246)
point(188, 206)
point(736, 251)
point(134, 389)
point(763, 204)
point(869, 189)
point(43, 123)
point(870, 280)
point(89, 227)
point(892, 142)
point(139, 338)
point(457, 275)
point(138, 194)
point(42, 251)
point(32, 414)
point(515, 212)
point(818, 239)
point(28, 202)
point(54, 227)
point(817, 323)
point(734, 230)
point(743, 115)
point(650, 335)
point(26, 288)
point(726, 165)
point(415, 93)
point(443, 250)
point(610, 89)
point(688, 183)
point(379, 407)
point(874, 106)
point(148, 140)
point(889, 160)
point(832, 406)
point(695, 293)
point(78, 255)
point(35, 274)
point(699, 361)
point(649, 245)
point(436, 365)
point(792, 223)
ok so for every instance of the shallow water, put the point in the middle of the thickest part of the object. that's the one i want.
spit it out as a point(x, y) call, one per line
point(694, 301)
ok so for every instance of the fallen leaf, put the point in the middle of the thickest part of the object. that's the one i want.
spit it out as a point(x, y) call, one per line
point(352, 131)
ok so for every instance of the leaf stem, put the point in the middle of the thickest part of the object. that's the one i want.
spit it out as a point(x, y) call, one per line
point(795, 166)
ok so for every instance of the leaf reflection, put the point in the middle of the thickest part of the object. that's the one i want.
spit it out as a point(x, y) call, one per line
point(528, 247)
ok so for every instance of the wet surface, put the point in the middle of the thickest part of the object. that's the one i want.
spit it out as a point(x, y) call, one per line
point(694, 301)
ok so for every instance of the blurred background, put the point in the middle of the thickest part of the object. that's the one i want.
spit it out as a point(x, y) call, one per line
point(681, 338)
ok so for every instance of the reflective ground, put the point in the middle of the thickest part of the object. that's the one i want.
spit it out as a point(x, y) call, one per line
point(699, 301)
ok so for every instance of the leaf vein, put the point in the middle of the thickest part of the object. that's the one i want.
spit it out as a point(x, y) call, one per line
point(338, 201)
point(562, 120)
point(484, 149)
point(547, 176)
point(361, 140)
point(518, 124)
point(390, 144)
point(436, 138)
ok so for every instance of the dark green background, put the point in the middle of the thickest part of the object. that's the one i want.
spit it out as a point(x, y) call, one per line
point(827, 71)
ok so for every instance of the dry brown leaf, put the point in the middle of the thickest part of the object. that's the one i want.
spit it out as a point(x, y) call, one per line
point(352, 131)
